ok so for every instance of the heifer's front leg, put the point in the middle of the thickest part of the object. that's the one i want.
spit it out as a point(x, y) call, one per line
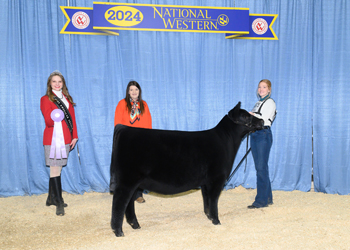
point(130, 213)
point(213, 197)
point(121, 198)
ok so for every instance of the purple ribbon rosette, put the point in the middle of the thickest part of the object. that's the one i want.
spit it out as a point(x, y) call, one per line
point(57, 143)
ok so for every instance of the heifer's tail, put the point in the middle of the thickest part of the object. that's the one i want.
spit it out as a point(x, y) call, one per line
point(113, 179)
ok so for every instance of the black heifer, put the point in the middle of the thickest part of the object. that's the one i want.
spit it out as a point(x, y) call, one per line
point(170, 162)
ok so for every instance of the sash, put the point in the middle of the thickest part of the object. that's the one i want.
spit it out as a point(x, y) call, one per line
point(67, 116)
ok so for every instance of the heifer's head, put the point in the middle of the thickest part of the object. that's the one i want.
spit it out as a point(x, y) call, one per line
point(247, 121)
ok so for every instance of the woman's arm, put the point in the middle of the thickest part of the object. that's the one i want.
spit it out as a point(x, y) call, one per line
point(46, 109)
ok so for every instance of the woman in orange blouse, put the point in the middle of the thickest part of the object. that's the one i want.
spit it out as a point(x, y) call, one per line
point(133, 111)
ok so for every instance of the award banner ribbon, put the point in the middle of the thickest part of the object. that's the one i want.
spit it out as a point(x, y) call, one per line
point(57, 143)
point(260, 28)
point(108, 18)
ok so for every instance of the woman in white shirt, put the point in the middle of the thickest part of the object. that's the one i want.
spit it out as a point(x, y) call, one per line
point(261, 142)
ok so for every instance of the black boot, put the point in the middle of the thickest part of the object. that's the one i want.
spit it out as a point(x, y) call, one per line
point(51, 200)
point(56, 195)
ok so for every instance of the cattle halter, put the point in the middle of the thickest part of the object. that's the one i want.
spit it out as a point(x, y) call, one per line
point(249, 124)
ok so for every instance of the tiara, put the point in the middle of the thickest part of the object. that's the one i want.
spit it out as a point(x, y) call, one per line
point(56, 72)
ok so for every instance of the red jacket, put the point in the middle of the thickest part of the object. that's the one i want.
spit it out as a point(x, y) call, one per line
point(46, 107)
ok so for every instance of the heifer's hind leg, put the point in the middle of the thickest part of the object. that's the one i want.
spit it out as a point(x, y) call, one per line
point(112, 182)
point(121, 198)
point(205, 200)
point(130, 213)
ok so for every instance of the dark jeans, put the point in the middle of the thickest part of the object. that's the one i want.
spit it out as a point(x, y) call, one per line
point(261, 142)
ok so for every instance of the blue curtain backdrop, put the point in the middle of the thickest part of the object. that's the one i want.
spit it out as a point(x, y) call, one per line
point(331, 98)
point(189, 80)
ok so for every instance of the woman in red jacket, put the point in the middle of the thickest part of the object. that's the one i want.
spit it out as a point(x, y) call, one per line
point(132, 111)
point(58, 111)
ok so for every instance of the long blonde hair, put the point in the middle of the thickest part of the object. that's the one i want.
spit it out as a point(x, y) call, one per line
point(64, 88)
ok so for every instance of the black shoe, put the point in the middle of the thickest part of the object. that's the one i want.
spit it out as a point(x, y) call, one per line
point(140, 200)
point(49, 203)
point(252, 207)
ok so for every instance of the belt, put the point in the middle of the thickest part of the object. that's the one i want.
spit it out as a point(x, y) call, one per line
point(267, 127)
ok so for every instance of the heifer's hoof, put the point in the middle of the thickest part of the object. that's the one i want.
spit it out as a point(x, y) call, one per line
point(216, 222)
point(118, 233)
point(134, 225)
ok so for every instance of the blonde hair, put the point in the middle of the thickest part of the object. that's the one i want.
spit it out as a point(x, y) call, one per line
point(268, 83)
point(64, 87)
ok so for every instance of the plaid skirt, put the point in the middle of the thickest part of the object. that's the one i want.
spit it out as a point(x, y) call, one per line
point(55, 162)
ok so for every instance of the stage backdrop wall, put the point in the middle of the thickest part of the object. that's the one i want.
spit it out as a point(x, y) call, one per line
point(189, 80)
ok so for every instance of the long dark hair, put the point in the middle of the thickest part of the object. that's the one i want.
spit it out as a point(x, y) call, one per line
point(127, 96)
point(64, 87)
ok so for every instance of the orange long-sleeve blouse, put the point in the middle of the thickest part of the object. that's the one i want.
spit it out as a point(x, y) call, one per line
point(122, 116)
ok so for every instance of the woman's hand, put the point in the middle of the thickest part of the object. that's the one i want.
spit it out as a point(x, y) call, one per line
point(72, 144)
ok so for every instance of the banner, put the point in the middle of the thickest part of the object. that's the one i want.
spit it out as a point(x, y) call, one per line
point(260, 27)
point(80, 22)
point(108, 18)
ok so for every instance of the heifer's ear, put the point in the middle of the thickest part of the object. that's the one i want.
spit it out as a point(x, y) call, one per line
point(235, 110)
point(238, 106)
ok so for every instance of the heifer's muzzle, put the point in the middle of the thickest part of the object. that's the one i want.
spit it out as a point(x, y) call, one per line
point(259, 123)
point(252, 122)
